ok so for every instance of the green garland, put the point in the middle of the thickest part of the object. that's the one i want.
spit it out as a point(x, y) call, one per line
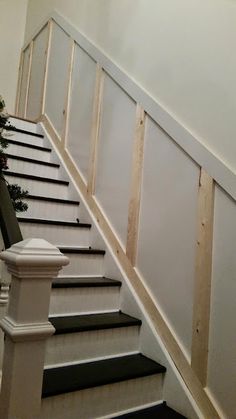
point(15, 191)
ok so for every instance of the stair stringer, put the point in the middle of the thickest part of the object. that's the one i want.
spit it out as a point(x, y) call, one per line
point(175, 392)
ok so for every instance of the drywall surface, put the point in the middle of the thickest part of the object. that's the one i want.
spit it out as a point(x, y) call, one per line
point(181, 52)
point(12, 29)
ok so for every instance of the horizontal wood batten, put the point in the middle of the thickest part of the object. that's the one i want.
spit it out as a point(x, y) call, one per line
point(159, 323)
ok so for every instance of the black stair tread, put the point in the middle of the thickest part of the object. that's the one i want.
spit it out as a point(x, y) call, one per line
point(33, 177)
point(50, 199)
point(161, 411)
point(22, 144)
point(53, 222)
point(92, 374)
point(73, 282)
point(82, 250)
point(35, 161)
point(83, 323)
point(23, 131)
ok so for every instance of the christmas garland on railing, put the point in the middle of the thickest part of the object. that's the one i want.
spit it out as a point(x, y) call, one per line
point(15, 191)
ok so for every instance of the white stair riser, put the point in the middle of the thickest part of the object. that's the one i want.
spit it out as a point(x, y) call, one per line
point(26, 138)
point(57, 234)
point(32, 153)
point(28, 168)
point(84, 265)
point(104, 400)
point(36, 187)
point(28, 126)
point(71, 347)
point(84, 300)
point(51, 210)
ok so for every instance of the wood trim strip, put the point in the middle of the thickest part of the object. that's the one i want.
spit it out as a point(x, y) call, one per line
point(20, 72)
point(97, 106)
point(203, 273)
point(66, 110)
point(161, 327)
point(135, 195)
point(28, 78)
point(47, 52)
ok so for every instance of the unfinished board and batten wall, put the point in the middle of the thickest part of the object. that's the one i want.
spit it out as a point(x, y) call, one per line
point(151, 185)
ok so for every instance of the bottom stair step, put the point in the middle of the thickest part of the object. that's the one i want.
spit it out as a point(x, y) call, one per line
point(101, 389)
point(161, 411)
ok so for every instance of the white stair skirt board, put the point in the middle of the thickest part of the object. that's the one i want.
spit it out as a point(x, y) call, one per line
point(57, 234)
point(51, 210)
point(81, 346)
point(32, 153)
point(21, 124)
point(104, 400)
point(36, 187)
point(21, 137)
point(29, 168)
point(83, 265)
point(84, 300)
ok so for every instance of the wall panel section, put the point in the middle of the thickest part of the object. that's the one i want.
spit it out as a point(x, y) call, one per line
point(222, 340)
point(37, 75)
point(115, 148)
point(81, 109)
point(167, 230)
point(57, 81)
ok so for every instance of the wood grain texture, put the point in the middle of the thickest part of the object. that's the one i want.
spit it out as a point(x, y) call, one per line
point(159, 323)
point(47, 52)
point(28, 78)
point(66, 110)
point(95, 128)
point(20, 71)
point(203, 273)
point(135, 194)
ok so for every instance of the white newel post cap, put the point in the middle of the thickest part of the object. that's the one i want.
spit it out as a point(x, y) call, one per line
point(34, 258)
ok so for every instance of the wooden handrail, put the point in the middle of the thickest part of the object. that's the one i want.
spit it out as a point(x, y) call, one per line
point(8, 222)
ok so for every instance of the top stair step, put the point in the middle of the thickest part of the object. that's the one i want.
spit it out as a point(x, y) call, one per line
point(161, 411)
point(73, 282)
point(22, 131)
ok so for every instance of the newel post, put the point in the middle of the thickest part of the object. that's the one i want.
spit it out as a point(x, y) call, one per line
point(33, 263)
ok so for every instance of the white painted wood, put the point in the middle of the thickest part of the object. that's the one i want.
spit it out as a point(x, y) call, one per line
point(21, 124)
point(83, 346)
point(39, 188)
point(83, 265)
point(84, 300)
point(81, 109)
point(167, 233)
point(58, 235)
point(115, 156)
point(24, 81)
point(222, 340)
point(95, 402)
point(37, 75)
point(33, 263)
point(28, 168)
point(19, 150)
point(51, 210)
point(57, 78)
point(25, 138)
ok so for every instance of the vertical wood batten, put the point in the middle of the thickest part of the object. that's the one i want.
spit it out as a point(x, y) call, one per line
point(203, 274)
point(47, 52)
point(66, 111)
point(20, 72)
point(135, 195)
point(95, 128)
point(28, 78)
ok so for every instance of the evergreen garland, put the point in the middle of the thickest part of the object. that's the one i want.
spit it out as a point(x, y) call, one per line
point(15, 191)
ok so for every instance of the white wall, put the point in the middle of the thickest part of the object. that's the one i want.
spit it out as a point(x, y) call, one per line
point(12, 29)
point(181, 52)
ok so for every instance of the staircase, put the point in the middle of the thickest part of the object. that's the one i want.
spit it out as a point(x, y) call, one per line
point(93, 366)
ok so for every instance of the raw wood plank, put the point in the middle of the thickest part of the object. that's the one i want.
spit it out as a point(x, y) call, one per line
point(66, 110)
point(28, 78)
point(47, 52)
point(203, 273)
point(20, 72)
point(134, 204)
